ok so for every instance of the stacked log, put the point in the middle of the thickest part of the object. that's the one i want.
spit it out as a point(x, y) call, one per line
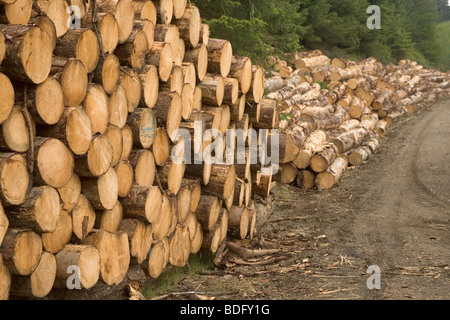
point(335, 112)
point(90, 113)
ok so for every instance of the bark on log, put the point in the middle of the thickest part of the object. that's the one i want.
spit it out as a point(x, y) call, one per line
point(55, 241)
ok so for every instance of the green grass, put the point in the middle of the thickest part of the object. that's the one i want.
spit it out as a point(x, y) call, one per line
point(444, 39)
point(172, 276)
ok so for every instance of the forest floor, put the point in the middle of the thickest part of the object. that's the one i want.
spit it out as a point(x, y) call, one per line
point(392, 212)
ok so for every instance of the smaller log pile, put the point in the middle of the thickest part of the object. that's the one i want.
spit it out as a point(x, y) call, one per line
point(335, 111)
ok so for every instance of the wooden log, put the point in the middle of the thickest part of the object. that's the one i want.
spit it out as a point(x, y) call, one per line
point(40, 282)
point(125, 177)
point(58, 12)
point(140, 238)
point(145, 10)
point(55, 162)
point(5, 280)
point(39, 212)
point(55, 241)
point(109, 32)
point(288, 173)
point(268, 115)
point(208, 211)
point(149, 29)
point(238, 221)
point(324, 159)
point(83, 217)
point(189, 23)
point(143, 202)
point(204, 33)
point(161, 147)
point(350, 139)
point(189, 74)
point(187, 101)
point(162, 225)
point(161, 56)
point(131, 82)
point(127, 141)
point(85, 257)
point(171, 175)
point(175, 82)
point(313, 144)
point(29, 55)
point(199, 57)
point(305, 179)
point(82, 44)
point(180, 247)
point(107, 73)
point(74, 129)
point(156, 260)
point(6, 97)
point(381, 128)
point(256, 91)
point(102, 192)
point(4, 223)
point(17, 12)
point(213, 89)
point(118, 107)
point(70, 193)
point(132, 52)
point(112, 265)
point(15, 132)
point(164, 8)
point(150, 86)
point(183, 203)
point(110, 220)
point(21, 251)
point(313, 62)
point(98, 159)
point(96, 107)
point(220, 55)
point(15, 179)
point(168, 112)
point(143, 163)
point(238, 109)
point(326, 180)
point(143, 125)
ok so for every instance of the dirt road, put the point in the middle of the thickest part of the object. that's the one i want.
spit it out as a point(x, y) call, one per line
point(392, 212)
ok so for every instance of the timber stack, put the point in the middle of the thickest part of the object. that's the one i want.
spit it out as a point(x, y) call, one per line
point(335, 112)
point(92, 96)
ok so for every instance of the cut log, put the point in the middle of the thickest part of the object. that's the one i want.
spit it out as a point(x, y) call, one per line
point(204, 33)
point(189, 24)
point(6, 97)
point(55, 162)
point(125, 177)
point(220, 55)
point(208, 211)
point(324, 159)
point(168, 34)
point(5, 280)
point(96, 107)
point(288, 173)
point(156, 260)
point(29, 51)
point(171, 175)
point(140, 237)
point(168, 112)
point(187, 101)
point(55, 241)
point(256, 91)
point(180, 247)
point(313, 144)
point(305, 179)
point(85, 258)
point(14, 179)
point(118, 107)
point(110, 220)
point(4, 223)
point(175, 82)
point(107, 73)
point(40, 282)
point(70, 193)
point(359, 156)
point(161, 56)
point(161, 147)
point(162, 224)
point(114, 134)
point(82, 44)
point(238, 221)
point(109, 32)
point(238, 109)
point(98, 159)
point(189, 74)
point(183, 203)
point(199, 57)
point(381, 128)
point(21, 251)
point(127, 140)
point(164, 8)
point(326, 180)
point(18, 12)
point(350, 139)
point(145, 10)
point(143, 164)
point(132, 51)
point(150, 86)
point(112, 269)
point(149, 29)
point(143, 202)
point(83, 217)
point(213, 89)
point(131, 82)
point(313, 62)
point(39, 212)
point(16, 136)
point(101, 192)
point(268, 115)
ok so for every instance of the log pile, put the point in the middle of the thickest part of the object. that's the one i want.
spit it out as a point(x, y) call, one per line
point(89, 112)
point(336, 111)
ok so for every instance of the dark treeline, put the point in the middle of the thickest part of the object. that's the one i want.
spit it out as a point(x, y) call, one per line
point(261, 28)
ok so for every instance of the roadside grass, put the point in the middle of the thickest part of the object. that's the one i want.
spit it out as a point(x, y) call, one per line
point(444, 40)
point(170, 277)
